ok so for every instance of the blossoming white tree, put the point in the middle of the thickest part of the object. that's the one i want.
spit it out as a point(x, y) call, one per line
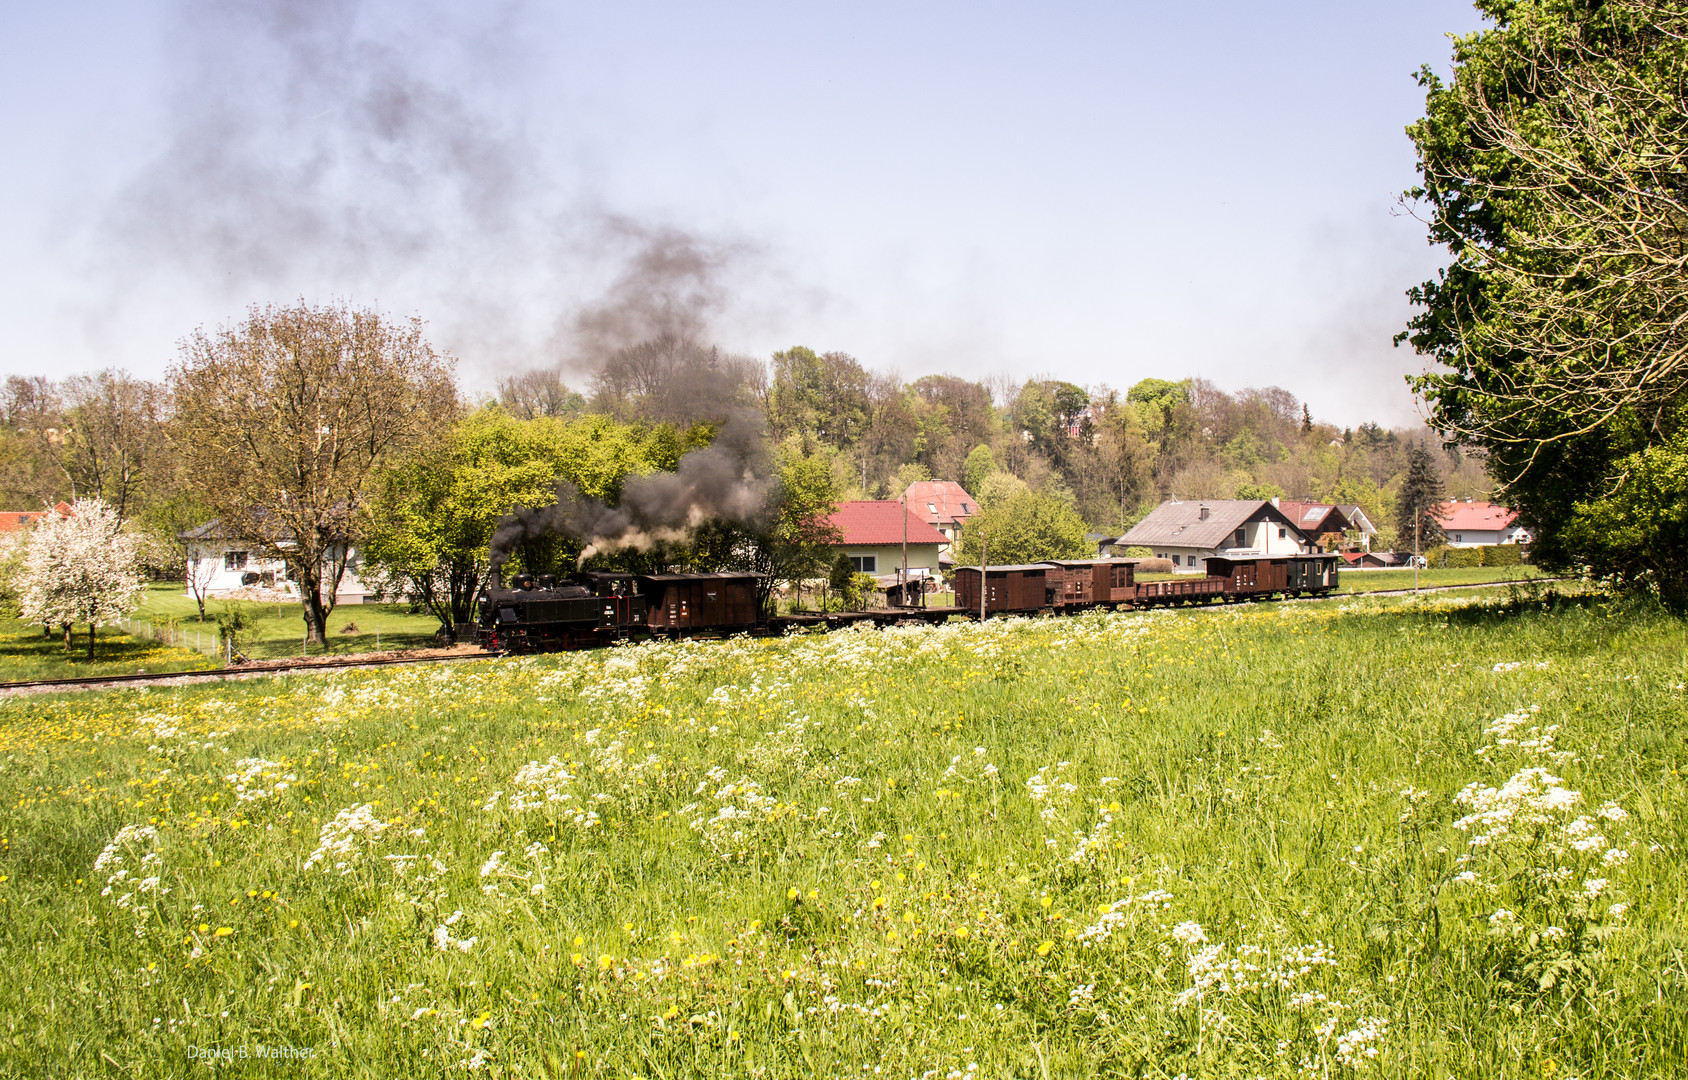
point(80, 568)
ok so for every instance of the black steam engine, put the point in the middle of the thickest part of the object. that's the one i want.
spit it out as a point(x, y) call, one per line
point(539, 612)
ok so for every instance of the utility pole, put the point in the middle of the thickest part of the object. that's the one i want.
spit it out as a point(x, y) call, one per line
point(1416, 515)
point(904, 502)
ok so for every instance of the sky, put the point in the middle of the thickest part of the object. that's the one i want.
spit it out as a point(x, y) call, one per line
point(1095, 192)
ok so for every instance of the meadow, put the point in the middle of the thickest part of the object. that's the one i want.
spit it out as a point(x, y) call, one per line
point(166, 633)
point(1436, 836)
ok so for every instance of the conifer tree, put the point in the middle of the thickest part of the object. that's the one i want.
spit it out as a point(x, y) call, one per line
point(1421, 493)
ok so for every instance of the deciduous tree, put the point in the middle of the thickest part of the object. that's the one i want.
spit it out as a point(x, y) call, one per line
point(114, 437)
point(434, 510)
point(1553, 166)
point(284, 419)
point(80, 568)
point(1026, 527)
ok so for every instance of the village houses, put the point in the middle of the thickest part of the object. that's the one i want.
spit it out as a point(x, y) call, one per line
point(1188, 533)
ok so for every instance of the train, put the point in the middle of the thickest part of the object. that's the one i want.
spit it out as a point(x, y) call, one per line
point(535, 613)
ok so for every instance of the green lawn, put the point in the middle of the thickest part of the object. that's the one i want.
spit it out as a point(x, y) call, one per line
point(165, 633)
point(1379, 837)
point(1374, 580)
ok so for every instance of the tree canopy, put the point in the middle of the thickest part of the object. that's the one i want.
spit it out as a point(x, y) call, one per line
point(434, 511)
point(284, 419)
point(1552, 170)
point(80, 567)
point(1024, 527)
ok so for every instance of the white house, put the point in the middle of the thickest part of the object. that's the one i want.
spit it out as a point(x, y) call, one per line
point(222, 565)
point(1190, 532)
point(1474, 524)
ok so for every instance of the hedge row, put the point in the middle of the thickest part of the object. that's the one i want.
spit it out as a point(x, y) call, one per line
point(1486, 555)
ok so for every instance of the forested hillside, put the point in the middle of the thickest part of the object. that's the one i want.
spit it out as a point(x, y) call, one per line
point(1108, 453)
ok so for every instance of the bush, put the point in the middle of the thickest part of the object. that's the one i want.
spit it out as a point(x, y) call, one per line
point(1136, 551)
point(1503, 555)
point(1155, 566)
point(1459, 558)
point(233, 621)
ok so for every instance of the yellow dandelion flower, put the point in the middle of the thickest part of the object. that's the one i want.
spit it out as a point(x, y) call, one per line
point(1043, 950)
point(203, 927)
point(224, 931)
point(791, 893)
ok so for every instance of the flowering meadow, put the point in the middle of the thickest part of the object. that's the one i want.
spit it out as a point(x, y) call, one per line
point(1366, 837)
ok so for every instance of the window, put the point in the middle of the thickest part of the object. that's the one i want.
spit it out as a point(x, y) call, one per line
point(932, 507)
point(865, 564)
point(966, 508)
point(234, 560)
point(1283, 534)
point(1238, 542)
point(23, 519)
point(1458, 539)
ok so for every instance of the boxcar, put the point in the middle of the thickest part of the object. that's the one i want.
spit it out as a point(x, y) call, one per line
point(1074, 582)
point(1312, 573)
point(1007, 588)
point(701, 601)
point(1260, 576)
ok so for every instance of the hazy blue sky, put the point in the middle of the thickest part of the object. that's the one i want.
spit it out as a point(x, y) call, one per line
point(1099, 192)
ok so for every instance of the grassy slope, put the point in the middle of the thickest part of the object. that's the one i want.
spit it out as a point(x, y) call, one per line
point(276, 631)
point(886, 889)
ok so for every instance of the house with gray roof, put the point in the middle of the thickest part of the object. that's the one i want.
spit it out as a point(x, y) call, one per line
point(1189, 533)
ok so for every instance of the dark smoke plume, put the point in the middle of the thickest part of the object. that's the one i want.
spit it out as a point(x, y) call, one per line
point(725, 481)
point(355, 147)
point(317, 138)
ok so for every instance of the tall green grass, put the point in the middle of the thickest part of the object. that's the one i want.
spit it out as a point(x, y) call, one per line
point(1211, 843)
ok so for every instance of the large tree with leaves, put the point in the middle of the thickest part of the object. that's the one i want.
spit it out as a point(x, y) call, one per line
point(80, 567)
point(285, 418)
point(434, 510)
point(1553, 169)
point(1025, 527)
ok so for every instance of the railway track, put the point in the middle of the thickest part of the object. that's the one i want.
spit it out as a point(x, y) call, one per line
point(183, 678)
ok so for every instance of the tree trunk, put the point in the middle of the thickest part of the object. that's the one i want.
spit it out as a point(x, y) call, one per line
point(316, 616)
point(91, 629)
point(67, 645)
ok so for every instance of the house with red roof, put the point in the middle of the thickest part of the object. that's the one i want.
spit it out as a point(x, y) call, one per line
point(873, 532)
point(1314, 519)
point(1472, 523)
point(942, 504)
point(13, 520)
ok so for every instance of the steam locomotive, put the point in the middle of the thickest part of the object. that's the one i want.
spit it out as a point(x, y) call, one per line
point(539, 612)
point(542, 612)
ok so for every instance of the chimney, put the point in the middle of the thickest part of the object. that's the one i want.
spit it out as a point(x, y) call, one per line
point(1204, 513)
point(1274, 501)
